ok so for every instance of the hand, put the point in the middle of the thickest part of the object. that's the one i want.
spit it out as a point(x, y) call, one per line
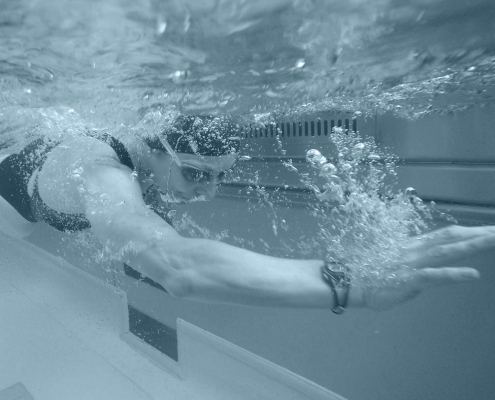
point(425, 264)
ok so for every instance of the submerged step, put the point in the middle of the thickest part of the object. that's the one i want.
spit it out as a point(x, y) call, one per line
point(65, 335)
point(225, 371)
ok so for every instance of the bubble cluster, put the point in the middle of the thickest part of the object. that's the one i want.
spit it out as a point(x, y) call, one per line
point(363, 219)
point(315, 159)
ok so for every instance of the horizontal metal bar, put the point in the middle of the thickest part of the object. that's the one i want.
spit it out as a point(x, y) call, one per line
point(465, 212)
point(278, 188)
point(300, 159)
point(436, 163)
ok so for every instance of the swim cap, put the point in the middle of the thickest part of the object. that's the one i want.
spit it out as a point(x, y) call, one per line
point(201, 135)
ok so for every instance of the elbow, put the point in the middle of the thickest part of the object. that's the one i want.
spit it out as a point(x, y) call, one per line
point(184, 277)
point(177, 276)
point(178, 286)
point(175, 263)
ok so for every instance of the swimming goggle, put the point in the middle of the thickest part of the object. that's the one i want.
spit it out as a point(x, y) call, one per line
point(191, 173)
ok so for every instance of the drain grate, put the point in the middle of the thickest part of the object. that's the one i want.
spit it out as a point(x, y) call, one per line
point(319, 127)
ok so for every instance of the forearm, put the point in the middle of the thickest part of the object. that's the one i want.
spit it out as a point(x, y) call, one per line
point(214, 272)
point(220, 273)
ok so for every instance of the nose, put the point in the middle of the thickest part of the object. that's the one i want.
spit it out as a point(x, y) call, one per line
point(208, 190)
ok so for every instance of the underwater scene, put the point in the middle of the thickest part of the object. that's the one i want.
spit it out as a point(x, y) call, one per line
point(303, 84)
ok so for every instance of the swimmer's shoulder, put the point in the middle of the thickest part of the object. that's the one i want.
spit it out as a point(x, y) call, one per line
point(83, 151)
point(72, 161)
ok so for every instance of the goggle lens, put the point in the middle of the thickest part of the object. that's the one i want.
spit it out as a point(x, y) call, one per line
point(196, 175)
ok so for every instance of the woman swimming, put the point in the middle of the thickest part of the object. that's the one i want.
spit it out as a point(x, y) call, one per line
point(121, 192)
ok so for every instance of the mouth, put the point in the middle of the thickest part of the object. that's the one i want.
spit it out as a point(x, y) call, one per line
point(171, 198)
point(197, 198)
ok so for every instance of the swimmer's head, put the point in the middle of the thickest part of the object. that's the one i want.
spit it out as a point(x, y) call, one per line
point(192, 154)
point(200, 135)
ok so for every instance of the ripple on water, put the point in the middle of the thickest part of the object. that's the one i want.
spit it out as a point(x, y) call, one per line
point(248, 57)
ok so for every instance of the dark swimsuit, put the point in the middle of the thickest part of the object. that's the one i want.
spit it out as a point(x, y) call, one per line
point(16, 171)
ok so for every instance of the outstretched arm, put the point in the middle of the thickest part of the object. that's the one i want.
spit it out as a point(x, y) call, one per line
point(210, 271)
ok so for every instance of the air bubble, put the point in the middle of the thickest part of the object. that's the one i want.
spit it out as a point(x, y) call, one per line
point(161, 26)
point(179, 76)
point(300, 63)
point(346, 167)
point(332, 193)
point(335, 179)
point(411, 192)
point(327, 170)
point(315, 159)
point(289, 166)
point(358, 150)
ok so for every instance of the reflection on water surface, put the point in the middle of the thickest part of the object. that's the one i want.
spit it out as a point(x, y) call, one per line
point(245, 57)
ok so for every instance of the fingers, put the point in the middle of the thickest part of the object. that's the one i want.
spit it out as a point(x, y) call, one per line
point(444, 254)
point(452, 234)
point(428, 277)
point(407, 283)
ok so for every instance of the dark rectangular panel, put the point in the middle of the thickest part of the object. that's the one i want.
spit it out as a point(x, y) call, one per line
point(153, 332)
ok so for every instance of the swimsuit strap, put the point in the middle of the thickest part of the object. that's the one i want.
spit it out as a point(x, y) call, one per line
point(116, 145)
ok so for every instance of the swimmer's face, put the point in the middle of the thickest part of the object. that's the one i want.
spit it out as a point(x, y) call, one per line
point(196, 179)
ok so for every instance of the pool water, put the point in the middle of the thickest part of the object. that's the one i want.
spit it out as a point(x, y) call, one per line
point(126, 67)
point(103, 59)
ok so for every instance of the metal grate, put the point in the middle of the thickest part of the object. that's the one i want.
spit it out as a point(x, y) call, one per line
point(319, 127)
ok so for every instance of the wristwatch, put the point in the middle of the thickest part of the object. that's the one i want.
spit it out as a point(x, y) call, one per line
point(336, 275)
